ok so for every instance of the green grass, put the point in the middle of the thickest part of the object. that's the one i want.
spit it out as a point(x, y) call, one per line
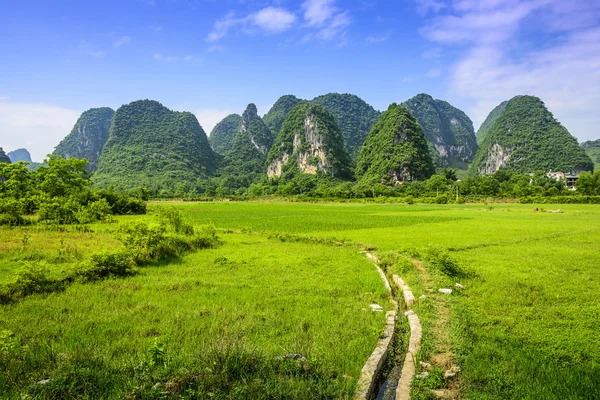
point(525, 328)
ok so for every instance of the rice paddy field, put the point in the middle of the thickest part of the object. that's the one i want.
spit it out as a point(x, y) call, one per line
point(287, 280)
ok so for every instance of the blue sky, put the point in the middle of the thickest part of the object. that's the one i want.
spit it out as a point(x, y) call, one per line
point(214, 57)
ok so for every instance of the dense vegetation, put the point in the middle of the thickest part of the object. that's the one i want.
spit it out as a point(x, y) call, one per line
point(154, 147)
point(222, 135)
point(58, 193)
point(3, 157)
point(88, 136)
point(245, 162)
point(448, 130)
point(277, 114)
point(592, 149)
point(526, 137)
point(311, 142)
point(354, 116)
point(395, 150)
point(484, 129)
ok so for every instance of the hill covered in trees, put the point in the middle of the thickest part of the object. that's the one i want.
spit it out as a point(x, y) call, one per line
point(484, 129)
point(525, 137)
point(88, 136)
point(154, 147)
point(277, 114)
point(592, 149)
point(222, 135)
point(354, 116)
point(309, 142)
point(448, 130)
point(395, 150)
point(3, 157)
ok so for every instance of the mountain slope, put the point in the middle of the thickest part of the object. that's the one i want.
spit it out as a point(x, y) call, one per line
point(395, 150)
point(354, 116)
point(3, 157)
point(592, 149)
point(152, 146)
point(526, 137)
point(309, 142)
point(277, 114)
point(222, 135)
point(448, 130)
point(484, 129)
point(250, 146)
point(88, 136)
point(19, 155)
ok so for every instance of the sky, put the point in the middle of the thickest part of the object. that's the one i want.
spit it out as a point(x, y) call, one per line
point(213, 57)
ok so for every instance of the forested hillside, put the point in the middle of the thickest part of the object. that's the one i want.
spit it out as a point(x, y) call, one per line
point(592, 149)
point(448, 130)
point(484, 129)
point(88, 136)
point(154, 147)
point(277, 114)
point(222, 135)
point(526, 137)
point(353, 115)
point(3, 157)
point(395, 150)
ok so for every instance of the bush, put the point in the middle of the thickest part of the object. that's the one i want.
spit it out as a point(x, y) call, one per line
point(173, 218)
point(31, 279)
point(95, 211)
point(104, 265)
point(11, 212)
point(443, 261)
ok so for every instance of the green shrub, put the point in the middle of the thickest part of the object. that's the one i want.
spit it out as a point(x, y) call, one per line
point(105, 265)
point(95, 211)
point(29, 280)
point(174, 218)
point(443, 261)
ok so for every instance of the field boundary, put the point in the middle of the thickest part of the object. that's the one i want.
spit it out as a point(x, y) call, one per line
point(372, 368)
point(408, 368)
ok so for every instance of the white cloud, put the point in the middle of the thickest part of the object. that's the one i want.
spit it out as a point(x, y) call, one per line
point(209, 117)
point(4, 98)
point(499, 62)
point(38, 127)
point(216, 49)
point(317, 12)
point(156, 28)
point(273, 20)
point(270, 20)
point(98, 53)
point(434, 73)
point(376, 39)
point(121, 41)
point(162, 57)
point(424, 6)
point(330, 21)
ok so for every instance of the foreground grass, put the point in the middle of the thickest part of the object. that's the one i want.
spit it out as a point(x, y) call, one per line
point(215, 324)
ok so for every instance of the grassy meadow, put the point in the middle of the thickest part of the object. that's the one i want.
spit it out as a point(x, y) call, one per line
point(288, 279)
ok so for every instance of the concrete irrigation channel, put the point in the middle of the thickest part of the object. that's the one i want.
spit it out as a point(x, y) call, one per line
point(370, 378)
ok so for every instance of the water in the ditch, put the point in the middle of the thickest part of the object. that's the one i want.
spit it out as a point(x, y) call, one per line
point(387, 391)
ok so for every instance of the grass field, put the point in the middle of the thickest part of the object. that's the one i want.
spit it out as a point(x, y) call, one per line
point(525, 327)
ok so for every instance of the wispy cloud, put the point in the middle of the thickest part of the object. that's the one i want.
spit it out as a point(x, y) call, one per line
point(156, 28)
point(269, 20)
point(121, 41)
point(433, 73)
point(330, 21)
point(162, 57)
point(424, 6)
point(4, 98)
point(497, 60)
point(216, 49)
point(373, 39)
point(98, 53)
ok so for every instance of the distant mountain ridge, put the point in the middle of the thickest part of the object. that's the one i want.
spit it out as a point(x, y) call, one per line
point(592, 149)
point(222, 135)
point(19, 155)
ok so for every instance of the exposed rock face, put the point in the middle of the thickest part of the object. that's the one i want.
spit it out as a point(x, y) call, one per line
point(155, 147)
point(87, 139)
point(19, 155)
point(448, 130)
point(222, 135)
point(525, 137)
point(280, 110)
point(3, 157)
point(309, 142)
point(395, 150)
point(255, 130)
point(353, 115)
